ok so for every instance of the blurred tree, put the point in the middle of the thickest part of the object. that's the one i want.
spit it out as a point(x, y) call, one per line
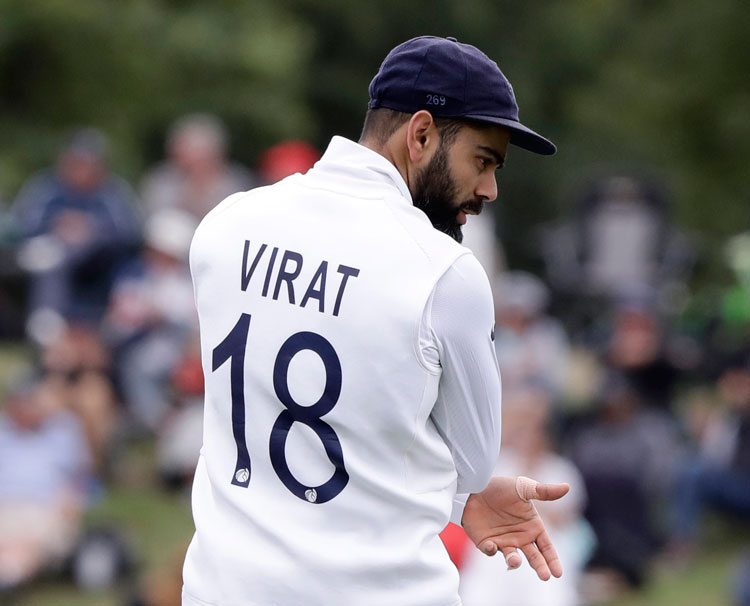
point(131, 67)
point(669, 89)
point(615, 83)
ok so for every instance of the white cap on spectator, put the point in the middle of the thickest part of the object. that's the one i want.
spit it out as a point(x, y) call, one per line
point(170, 231)
point(521, 290)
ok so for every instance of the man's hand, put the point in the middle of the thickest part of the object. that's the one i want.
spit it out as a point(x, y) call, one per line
point(502, 517)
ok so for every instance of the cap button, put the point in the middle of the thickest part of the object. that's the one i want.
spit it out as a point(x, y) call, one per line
point(451, 38)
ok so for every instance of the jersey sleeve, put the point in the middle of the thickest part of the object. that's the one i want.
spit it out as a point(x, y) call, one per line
point(457, 335)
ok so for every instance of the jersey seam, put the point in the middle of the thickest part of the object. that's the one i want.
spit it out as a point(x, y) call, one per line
point(425, 253)
point(456, 255)
point(415, 339)
point(413, 434)
point(197, 600)
point(434, 369)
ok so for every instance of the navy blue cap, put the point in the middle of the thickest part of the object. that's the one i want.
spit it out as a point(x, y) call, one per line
point(452, 80)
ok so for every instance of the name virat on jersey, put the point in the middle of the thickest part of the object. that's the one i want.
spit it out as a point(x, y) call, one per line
point(282, 268)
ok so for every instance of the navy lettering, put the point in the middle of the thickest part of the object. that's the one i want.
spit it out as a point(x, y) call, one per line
point(248, 273)
point(288, 276)
point(286, 271)
point(346, 272)
point(317, 293)
point(269, 270)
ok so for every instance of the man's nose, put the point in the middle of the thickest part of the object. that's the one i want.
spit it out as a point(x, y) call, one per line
point(487, 188)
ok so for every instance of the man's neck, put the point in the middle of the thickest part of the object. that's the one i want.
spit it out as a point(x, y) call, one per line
point(391, 152)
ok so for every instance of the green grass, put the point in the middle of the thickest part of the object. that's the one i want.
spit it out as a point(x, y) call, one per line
point(12, 360)
point(50, 593)
point(160, 526)
point(706, 581)
point(156, 525)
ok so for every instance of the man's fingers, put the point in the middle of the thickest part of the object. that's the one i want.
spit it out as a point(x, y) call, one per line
point(541, 554)
point(512, 557)
point(537, 561)
point(529, 489)
point(547, 549)
point(488, 547)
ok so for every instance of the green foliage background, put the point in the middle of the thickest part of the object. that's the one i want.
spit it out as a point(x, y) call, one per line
point(654, 87)
point(659, 87)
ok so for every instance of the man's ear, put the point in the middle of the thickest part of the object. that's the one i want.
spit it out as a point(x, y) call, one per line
point(422, 136)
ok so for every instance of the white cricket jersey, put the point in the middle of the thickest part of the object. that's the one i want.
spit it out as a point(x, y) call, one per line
point(331, 453)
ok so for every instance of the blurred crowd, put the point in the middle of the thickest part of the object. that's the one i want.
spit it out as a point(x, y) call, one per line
point(611, 382)
point(95, 278)
point(614, 382)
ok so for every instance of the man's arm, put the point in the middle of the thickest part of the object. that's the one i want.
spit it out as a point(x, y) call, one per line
point(456, 336)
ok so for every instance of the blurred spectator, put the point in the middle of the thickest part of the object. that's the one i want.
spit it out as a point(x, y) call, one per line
point(13, 281)
point(286, 158)
point(638, 347)
point(163, 586)
point(77, 369)
point(197, 174)
point(730, 330)
point(741, 581)
point(180, 436)
point(44, 465)
point(152, 316)
point(719, 476)
point(628, 456)
point(102, 557)
point(736, 302)
point(531, 346)
point(480, 236)
point(622, 237)
point(76, 224)
point(527, 450)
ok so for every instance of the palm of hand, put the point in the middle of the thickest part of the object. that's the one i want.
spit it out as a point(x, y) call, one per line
point(499, 519)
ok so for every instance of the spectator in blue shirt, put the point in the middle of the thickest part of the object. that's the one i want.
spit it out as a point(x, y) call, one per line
point(44, 468)
point(76, 222)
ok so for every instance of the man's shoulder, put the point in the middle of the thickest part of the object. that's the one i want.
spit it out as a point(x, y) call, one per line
point(233, 203)
point(433, 242)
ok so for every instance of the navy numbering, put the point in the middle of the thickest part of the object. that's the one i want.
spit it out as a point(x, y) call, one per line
point(233, 348)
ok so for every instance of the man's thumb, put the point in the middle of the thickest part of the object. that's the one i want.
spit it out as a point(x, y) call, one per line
point(529, 489)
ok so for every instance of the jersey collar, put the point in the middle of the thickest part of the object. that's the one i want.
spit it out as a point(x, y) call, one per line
point(342, 151)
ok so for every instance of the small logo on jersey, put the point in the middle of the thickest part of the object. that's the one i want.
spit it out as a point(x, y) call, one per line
point(311, 495)
point(242, 475)
point(492, 334)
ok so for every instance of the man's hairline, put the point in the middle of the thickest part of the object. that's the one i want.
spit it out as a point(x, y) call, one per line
point(474, 124)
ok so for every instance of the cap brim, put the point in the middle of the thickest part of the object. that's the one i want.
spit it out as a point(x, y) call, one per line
point(520, 135)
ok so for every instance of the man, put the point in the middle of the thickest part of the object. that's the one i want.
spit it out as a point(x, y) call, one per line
point(76, 223)
point(351, 383)
point(197, 173)
point(45, 465)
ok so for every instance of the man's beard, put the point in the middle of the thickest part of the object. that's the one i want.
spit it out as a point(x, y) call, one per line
point(435, 194)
